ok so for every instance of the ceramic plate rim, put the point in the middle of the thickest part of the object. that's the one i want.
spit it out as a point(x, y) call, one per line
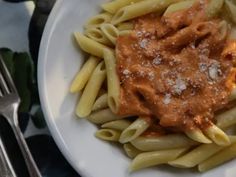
point(42, 58)
point(43, 49)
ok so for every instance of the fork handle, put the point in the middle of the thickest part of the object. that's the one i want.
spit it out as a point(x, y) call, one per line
point(6, 168)
point(31, 165)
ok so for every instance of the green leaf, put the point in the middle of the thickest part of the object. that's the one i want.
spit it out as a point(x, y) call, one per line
point(7, 56)
point(22, 69)
point(23, 77)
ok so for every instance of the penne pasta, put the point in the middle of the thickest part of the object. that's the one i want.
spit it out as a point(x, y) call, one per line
point(168, 65)
point(108, 134)
point(97, 35)
point(113, 6)
point(91, 90)
point(84, 74)
point(139, 9)
point(226, 119)
point(125, 32)
point(97, 20)
point(231, 9)
point(162, 142)
point(198, 155)
point(223, 29)
point(214, 8)
point(131, 151)
point(217, 135)
point(134, 130)
point(188, 34)
point(110, 31)
point(182, 5)
point(221, 157)
point(125, 26)
point(198, 136)
point(103, 116)
point(113, 82)
point(90, 46)
point(100, 103)
point(148, 159)
point(117, 124)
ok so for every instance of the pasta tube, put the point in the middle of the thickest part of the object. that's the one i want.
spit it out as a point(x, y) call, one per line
point(84, 74)
point(97, 20)
point(110, 31)
point(131, 151)
point(97, 35)
point(100, 103)
point(134, 130)
point(139, 9)
point(231, 9)
point(113, 82)
point(198, 155)
point(223, 29)
point(90, 46)
point(113, 6)
point(163, 142)
point(117, 124)
point(103, 116)
point(217, 135)
point(108, 134)
point(125, 32)
point(91, 90)
point(226, 119)
point(221, 157)
point(125, 26)
point(214, 8)
point(198, 136)
point(179, 6)
point(148, 159)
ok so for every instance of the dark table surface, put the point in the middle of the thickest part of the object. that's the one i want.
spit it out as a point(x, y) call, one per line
point(23, 67)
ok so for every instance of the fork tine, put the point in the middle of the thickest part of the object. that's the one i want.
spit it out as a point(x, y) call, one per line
point(3, 85)
point(7, 76)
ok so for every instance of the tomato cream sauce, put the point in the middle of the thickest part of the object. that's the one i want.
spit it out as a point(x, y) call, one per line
point(172, 69)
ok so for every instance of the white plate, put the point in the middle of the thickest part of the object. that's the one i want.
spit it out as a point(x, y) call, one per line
point(59, 60)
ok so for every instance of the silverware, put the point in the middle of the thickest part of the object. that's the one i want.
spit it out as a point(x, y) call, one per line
point(9, 103)
point(6, 169)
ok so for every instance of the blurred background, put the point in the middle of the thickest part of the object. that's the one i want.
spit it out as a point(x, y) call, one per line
point(21, 27)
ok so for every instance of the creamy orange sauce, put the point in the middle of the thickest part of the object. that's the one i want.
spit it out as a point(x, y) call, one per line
point(173, 69)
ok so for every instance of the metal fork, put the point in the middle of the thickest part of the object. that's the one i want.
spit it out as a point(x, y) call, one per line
point(9, 103)
point(6, 168)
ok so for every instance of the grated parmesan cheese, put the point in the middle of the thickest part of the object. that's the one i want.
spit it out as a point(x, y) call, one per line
point(214, 71)
point(167, 98)
point(151, 76)
point(179, 86)
point(126, 72)
point(157, 60)
point(143, 43)
point(202, 67)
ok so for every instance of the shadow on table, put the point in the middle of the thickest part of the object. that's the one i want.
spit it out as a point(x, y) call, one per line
point(44, 150)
